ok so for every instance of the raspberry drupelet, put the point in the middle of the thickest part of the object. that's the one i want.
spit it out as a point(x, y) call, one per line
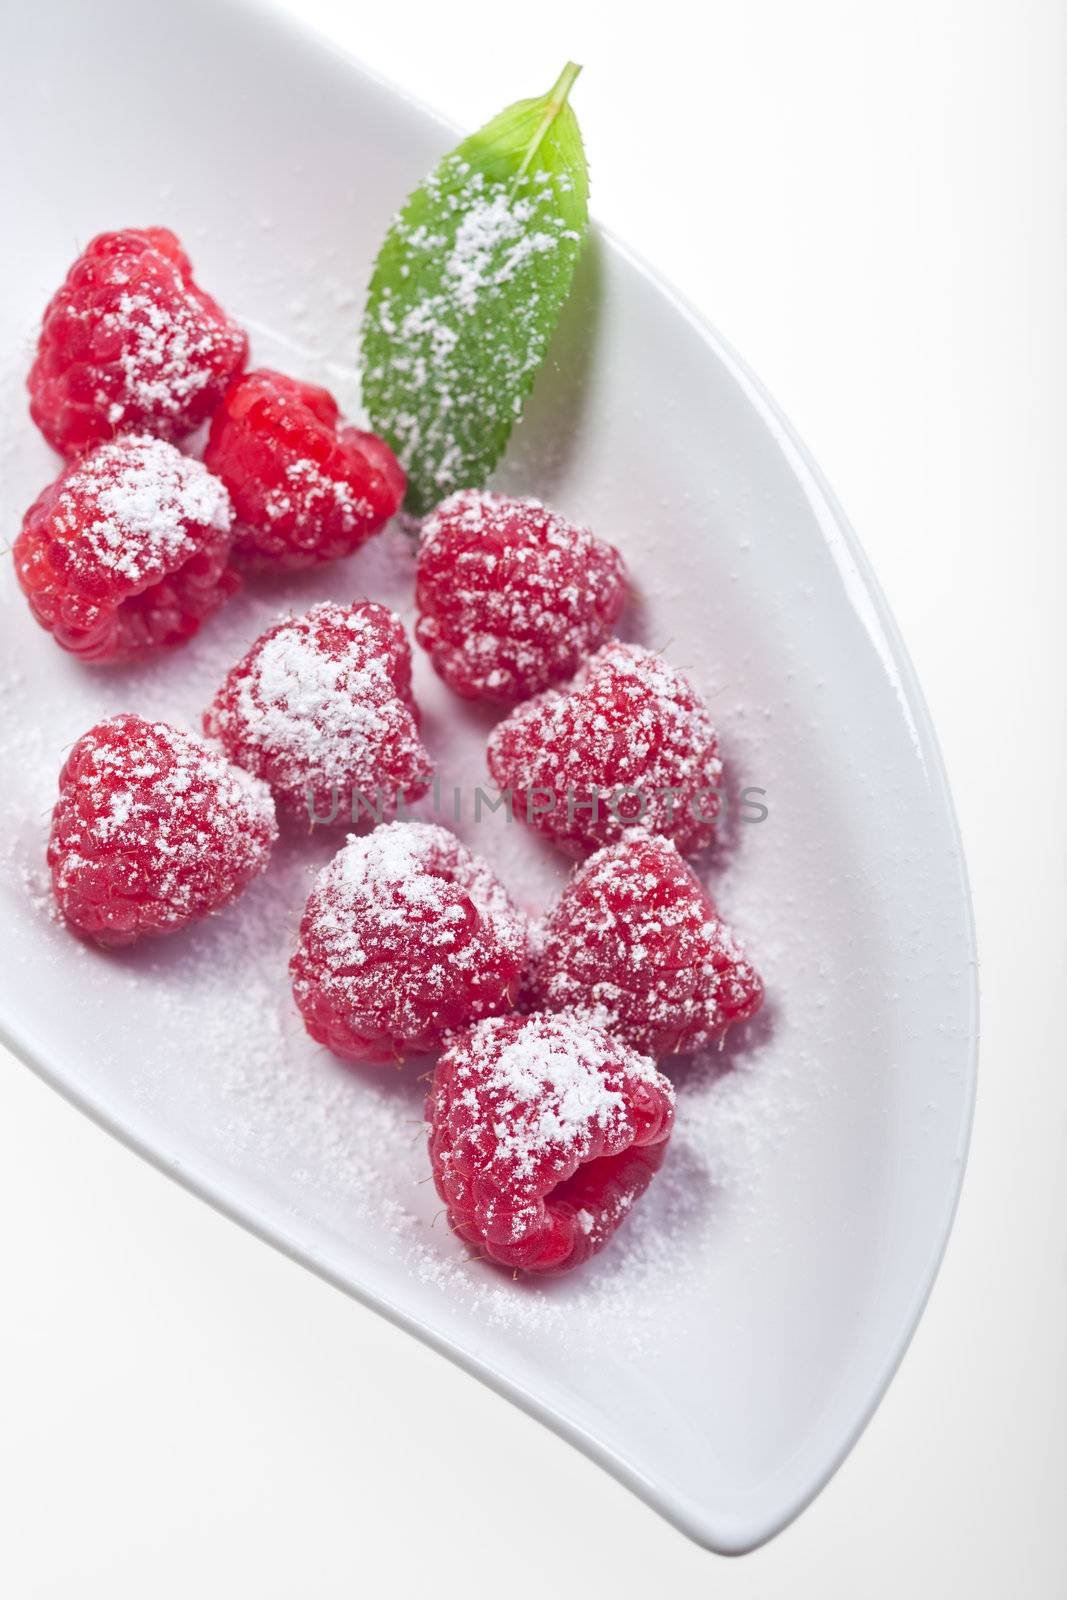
point(130, 343)
point(306, 486)
point(152, 830)
point(543, 1133)
point(511, 597)
point(321, 709)
point(629, 743)
point(127, 551)
point(407, 937)
point(636, 945)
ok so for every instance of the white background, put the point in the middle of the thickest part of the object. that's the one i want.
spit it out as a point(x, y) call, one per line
point(868, 201)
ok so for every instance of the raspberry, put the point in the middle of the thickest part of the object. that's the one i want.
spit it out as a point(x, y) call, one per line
point(306, 487)
point(511, 597)
point(628, 744)
point(635, 945)
point(130, 343)
point(543, 1132)
point(126, 552)
point(151, 830)
point(321, 709)
point(406, 938)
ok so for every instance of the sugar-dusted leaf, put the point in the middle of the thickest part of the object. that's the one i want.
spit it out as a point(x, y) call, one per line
point(467, 290)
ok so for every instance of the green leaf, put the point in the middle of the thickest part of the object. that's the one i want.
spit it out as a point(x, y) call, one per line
point(467, 289)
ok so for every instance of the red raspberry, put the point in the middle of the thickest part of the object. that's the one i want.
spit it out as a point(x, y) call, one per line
point(306, 487)
point(130, 343)
point(628, 744)
point(126, 552)
point(543, 1132)
point(635, 945)
point(406, 938)
point(511, 597)
point(321, 709)
point(152, 829)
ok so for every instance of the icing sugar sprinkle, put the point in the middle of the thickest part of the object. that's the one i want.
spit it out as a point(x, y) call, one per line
point(167, 352)
point(374, 883)
point(138, 505)
point(321, 703)
point(552, 1085)
point(299, 695)
point(451, 272)
point(168, 804)
point(406, 937)
point(511, 595)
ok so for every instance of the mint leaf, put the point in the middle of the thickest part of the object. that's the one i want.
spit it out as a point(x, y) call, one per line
point(467, 290)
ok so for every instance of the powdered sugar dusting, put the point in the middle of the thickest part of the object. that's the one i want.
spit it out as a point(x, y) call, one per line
point(321, 708)
point(309, 494)
point(630, 743)
point(162, 353)
point(140, 507)
point(407, 936)
point(300, 696)
point(635, 944)
point(511, 595)
point(552, 1091)
point(493, 240)
point(234, 1072)
point(152, 827)
point(403, 867)
point(456, 376)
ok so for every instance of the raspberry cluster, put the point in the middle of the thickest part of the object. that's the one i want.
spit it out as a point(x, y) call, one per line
point(548, 1113)
point(135, 544)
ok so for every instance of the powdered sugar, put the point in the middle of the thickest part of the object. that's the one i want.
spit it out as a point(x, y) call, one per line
point(149, 499)
point(300, 699)
point(511, 595)
point(635, 943)
point(153, 828)
point(167, 353)
point(453, 343)
point(492, 241)
point(308, 494)
point(321, 708)
point(551, 1090)
point(140, 507)
point(630, 743)
point(406, 937)
point(408, 866)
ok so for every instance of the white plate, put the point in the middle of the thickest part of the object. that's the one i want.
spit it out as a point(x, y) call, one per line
point(722, 1356)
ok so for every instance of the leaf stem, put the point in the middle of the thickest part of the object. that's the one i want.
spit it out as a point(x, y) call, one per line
point(555, 100)
point(557, 95)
